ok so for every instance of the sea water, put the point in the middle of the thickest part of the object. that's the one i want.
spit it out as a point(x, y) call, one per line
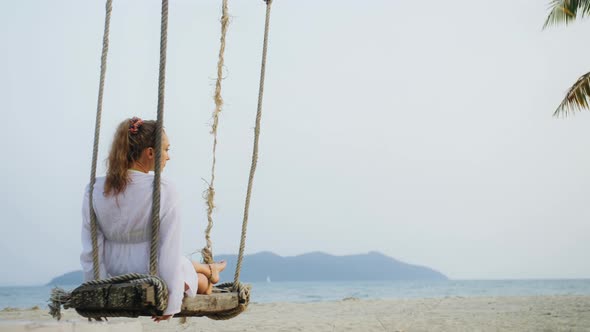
point(269, 292)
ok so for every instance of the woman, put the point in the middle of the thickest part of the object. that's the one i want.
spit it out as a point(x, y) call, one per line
point(122, 202)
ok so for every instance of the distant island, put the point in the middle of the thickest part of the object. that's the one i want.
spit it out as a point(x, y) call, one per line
point(314, 266)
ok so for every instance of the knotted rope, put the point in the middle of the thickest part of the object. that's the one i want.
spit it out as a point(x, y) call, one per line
point(103, 70)
point(243, 291)
point(207, 251)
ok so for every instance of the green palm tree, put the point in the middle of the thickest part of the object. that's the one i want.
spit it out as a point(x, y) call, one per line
point(566, 11)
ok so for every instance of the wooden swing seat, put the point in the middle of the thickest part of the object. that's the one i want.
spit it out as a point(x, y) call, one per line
point(139, 299)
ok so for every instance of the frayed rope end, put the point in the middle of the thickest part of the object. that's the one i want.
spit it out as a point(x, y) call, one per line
point(58, 298)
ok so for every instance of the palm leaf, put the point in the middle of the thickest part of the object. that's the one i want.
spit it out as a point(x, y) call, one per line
point(566, 11)
point(577, 98)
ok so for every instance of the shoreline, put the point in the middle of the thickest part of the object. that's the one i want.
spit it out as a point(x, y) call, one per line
point(312, 292)
point(42, 307)
point(39, 307)
point(451, 313)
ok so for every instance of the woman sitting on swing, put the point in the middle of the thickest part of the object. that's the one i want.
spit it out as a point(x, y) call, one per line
point(122, 202)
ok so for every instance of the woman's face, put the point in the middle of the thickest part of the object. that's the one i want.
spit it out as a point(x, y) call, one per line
point(165, 154)
point(165, 149)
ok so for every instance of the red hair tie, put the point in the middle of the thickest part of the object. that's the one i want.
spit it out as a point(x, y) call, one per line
point(134, 125)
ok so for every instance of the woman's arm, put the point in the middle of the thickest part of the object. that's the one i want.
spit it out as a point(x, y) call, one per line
point(86, 255)
point(170, 249)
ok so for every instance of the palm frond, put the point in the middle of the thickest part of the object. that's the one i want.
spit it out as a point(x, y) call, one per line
point(577, 98)
point(566, 11)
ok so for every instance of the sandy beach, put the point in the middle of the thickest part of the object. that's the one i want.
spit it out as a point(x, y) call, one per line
point(542, 313)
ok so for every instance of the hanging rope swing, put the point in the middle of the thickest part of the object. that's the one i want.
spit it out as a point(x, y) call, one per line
point(134, 295)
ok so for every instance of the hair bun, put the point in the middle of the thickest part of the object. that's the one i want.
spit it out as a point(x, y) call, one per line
point(134, 125)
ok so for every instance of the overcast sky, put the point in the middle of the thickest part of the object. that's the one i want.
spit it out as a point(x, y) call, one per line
point(420, 129)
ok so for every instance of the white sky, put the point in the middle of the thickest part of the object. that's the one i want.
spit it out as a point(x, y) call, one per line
point(419, 129)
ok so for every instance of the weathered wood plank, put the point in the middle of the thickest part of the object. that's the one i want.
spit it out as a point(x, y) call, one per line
point(112, 296)
point(140, 298)
point(204, 304)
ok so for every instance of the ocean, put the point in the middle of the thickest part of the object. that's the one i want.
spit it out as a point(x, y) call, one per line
point(271, 292)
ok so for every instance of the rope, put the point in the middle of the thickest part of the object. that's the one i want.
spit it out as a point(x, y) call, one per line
point(255, 148)
point(243, 291)
point(207, 251)
point(158, 147)
point(103, 69)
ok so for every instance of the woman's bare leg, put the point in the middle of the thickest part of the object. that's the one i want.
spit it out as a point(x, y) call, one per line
point(204, 286)
point(210, 271)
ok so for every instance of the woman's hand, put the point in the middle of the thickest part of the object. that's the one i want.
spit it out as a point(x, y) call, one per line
point(157, 319)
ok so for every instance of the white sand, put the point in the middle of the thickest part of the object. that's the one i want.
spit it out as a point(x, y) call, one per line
point(543, 313)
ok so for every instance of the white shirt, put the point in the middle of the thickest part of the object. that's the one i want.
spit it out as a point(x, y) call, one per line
point(124, 228)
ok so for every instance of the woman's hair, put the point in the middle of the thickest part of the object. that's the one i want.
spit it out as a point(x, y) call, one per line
point(131, 138)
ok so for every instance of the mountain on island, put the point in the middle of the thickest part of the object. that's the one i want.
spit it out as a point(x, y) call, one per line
point(314, 266)
point(70, 278)
point(318, 266)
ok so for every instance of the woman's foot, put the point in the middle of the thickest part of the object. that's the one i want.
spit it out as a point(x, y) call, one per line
point(215, 268)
